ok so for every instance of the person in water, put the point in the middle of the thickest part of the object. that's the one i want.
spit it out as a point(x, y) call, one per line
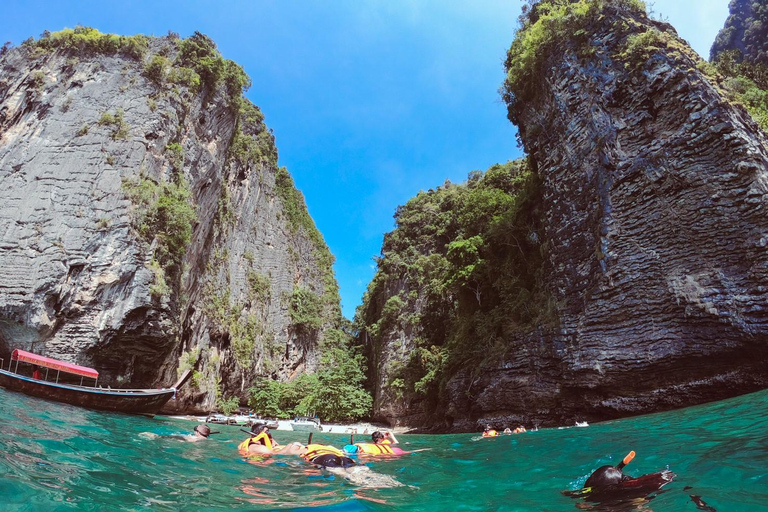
point(489, 432)
point(507, 431)
point(337, 463)
point(610, 483)
point(384, 438)
point(261, 442)
point(200, 433)
point(325, 456)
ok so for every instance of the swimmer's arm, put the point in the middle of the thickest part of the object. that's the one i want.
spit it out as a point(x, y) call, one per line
point(391, 437)
point(259, 449)
point(290, 449)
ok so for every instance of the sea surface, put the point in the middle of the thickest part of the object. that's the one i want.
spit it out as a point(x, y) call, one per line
point(59, 458)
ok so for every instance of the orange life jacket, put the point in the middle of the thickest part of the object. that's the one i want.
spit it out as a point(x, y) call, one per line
point(374, 449)
point(315, 450)
point(262, 439)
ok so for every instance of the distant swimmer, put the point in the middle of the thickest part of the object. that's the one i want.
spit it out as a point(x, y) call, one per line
point(489, 432)
point(199, 433)
point(383, 444)
point(507, 431)
point(608, 483)
point(374, 449)
point(261, 442)
point(519, 430)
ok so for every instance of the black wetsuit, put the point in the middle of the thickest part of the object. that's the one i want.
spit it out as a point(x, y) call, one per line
point(330, 460)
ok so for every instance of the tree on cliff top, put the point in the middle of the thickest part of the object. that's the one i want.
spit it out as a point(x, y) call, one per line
point(746, 31)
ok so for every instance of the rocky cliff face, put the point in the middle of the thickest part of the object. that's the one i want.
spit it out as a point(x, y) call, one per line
point(652, 226)
point(145, 224)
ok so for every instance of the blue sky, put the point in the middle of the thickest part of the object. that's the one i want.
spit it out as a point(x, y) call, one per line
point(370, 101)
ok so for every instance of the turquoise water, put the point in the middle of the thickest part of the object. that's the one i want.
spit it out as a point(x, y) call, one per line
point(56, 457)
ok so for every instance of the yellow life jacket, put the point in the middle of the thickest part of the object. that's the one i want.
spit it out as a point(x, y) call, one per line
point(385, 441)
point(490, 433)
point(262, 439)
point(315, 450)
point(374, 449)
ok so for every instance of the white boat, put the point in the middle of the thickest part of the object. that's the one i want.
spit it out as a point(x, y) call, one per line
point(306, 424)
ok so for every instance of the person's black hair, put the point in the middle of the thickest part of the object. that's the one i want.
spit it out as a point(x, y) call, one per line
point(605, 476)
point(258, 428)
point(376, 436)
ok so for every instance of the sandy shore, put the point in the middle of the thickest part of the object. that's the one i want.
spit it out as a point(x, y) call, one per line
point(285, 425)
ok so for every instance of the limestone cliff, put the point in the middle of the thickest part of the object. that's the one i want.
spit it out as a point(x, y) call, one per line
point(650, 217)
point(145, 225)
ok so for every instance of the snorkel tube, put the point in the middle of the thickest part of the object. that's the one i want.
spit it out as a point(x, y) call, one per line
point(626, 460)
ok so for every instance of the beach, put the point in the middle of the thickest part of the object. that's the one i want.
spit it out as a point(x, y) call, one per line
point(363, 428)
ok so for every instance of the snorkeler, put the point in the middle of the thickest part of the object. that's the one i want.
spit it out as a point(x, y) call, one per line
point(489, 432)
point(610, 483)
point(326, 456)
point(261, 442)
point(384, 438)
point(199, 433)
point(334, 461)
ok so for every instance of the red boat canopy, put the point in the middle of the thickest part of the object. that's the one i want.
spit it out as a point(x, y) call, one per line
point(54, 364)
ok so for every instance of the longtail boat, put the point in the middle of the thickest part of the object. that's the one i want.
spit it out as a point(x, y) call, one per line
point(131, 401)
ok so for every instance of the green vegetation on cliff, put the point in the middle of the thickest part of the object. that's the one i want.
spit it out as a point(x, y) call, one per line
point(335, 392)
point(547, 25)
point(299, 220)
point(163, 214)
point(89, 40)
point(561, 25)
point(459, 275)
point(740, 54)
point(745, 31)
point(745, 82)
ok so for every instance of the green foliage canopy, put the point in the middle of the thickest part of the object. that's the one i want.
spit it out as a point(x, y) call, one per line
point(459, 273)
point(335, 393)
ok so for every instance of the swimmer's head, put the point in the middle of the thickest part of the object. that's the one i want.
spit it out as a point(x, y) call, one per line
point(603, 477)
point(203, 430)
point(258, 428)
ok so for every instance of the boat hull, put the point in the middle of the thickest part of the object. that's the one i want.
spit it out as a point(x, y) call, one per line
point(137, 401)
point(305, 427)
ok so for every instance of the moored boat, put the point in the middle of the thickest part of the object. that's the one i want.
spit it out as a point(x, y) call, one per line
point(131, 401)
point(306, 424)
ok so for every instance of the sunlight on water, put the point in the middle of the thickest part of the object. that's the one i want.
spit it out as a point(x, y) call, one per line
point(56, 457)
